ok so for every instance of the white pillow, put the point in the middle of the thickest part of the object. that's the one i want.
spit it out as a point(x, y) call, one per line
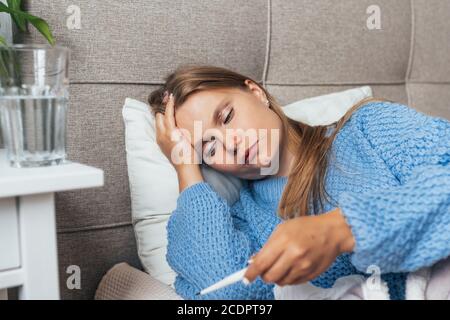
point(154, 188)
point(153, 180)
point(326, 109)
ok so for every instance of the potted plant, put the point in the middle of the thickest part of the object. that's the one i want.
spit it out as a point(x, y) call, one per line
point(21, 19)
point(33, 94)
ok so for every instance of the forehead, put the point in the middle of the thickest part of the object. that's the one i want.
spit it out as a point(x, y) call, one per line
point(200, 106)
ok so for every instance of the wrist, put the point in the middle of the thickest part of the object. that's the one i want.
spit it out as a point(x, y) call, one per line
point(188, 174)
point(183, 168)
point(342, 231)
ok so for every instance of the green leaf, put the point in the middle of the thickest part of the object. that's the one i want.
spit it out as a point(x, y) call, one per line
point(40, 24)
point(20, 21)
point(9, 67)
point(3, 41)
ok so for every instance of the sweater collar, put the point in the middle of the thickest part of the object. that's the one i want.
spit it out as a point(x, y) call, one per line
point(269, 189)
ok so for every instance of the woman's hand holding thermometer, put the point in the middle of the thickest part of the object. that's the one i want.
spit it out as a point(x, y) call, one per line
point(298, 250)
point(302, 248)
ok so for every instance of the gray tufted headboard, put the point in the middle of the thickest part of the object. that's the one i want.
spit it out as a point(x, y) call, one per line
point(296, 48)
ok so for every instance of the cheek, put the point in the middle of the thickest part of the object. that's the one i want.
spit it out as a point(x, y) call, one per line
point(275, 134)
point(222, 161)
point(265, 119)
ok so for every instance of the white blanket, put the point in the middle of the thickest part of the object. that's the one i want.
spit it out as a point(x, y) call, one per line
point(432, 283)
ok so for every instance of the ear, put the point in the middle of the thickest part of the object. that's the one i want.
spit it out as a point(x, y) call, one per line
point(256, 90)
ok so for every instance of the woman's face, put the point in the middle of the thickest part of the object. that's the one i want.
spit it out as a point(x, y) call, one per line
point(238, 132)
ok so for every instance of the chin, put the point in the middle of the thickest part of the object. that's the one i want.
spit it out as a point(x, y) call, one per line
point(250, 171)
point(255, 174)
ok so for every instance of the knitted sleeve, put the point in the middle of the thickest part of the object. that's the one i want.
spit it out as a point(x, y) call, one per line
point(403, 228)
point(205, 245)
point(262, 221)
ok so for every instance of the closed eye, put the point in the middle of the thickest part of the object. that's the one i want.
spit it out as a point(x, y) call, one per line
point(229, 116)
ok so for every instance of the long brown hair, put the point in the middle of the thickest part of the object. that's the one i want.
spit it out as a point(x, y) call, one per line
point(309, 144)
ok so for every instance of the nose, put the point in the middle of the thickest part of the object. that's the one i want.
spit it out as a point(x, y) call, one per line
point(234, 144)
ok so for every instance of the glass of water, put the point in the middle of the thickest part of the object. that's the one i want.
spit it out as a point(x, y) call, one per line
point(33, 104)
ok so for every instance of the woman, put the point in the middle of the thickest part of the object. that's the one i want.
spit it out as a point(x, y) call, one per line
point(375, 191)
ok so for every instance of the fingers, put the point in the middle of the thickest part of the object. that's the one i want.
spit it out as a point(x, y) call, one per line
point(303, 273)
point(169, 113)
point(279, 269)
point(166, 121)
point(262, 261)
point(165, 97)
point(297, 274)
point(302, 278)
point(159, 121)
point(290, 278)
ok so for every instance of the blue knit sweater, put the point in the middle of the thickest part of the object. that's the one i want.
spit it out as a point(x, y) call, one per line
point(390, 175)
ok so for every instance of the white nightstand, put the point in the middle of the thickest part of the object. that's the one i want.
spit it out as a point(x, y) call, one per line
point(28, 255)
